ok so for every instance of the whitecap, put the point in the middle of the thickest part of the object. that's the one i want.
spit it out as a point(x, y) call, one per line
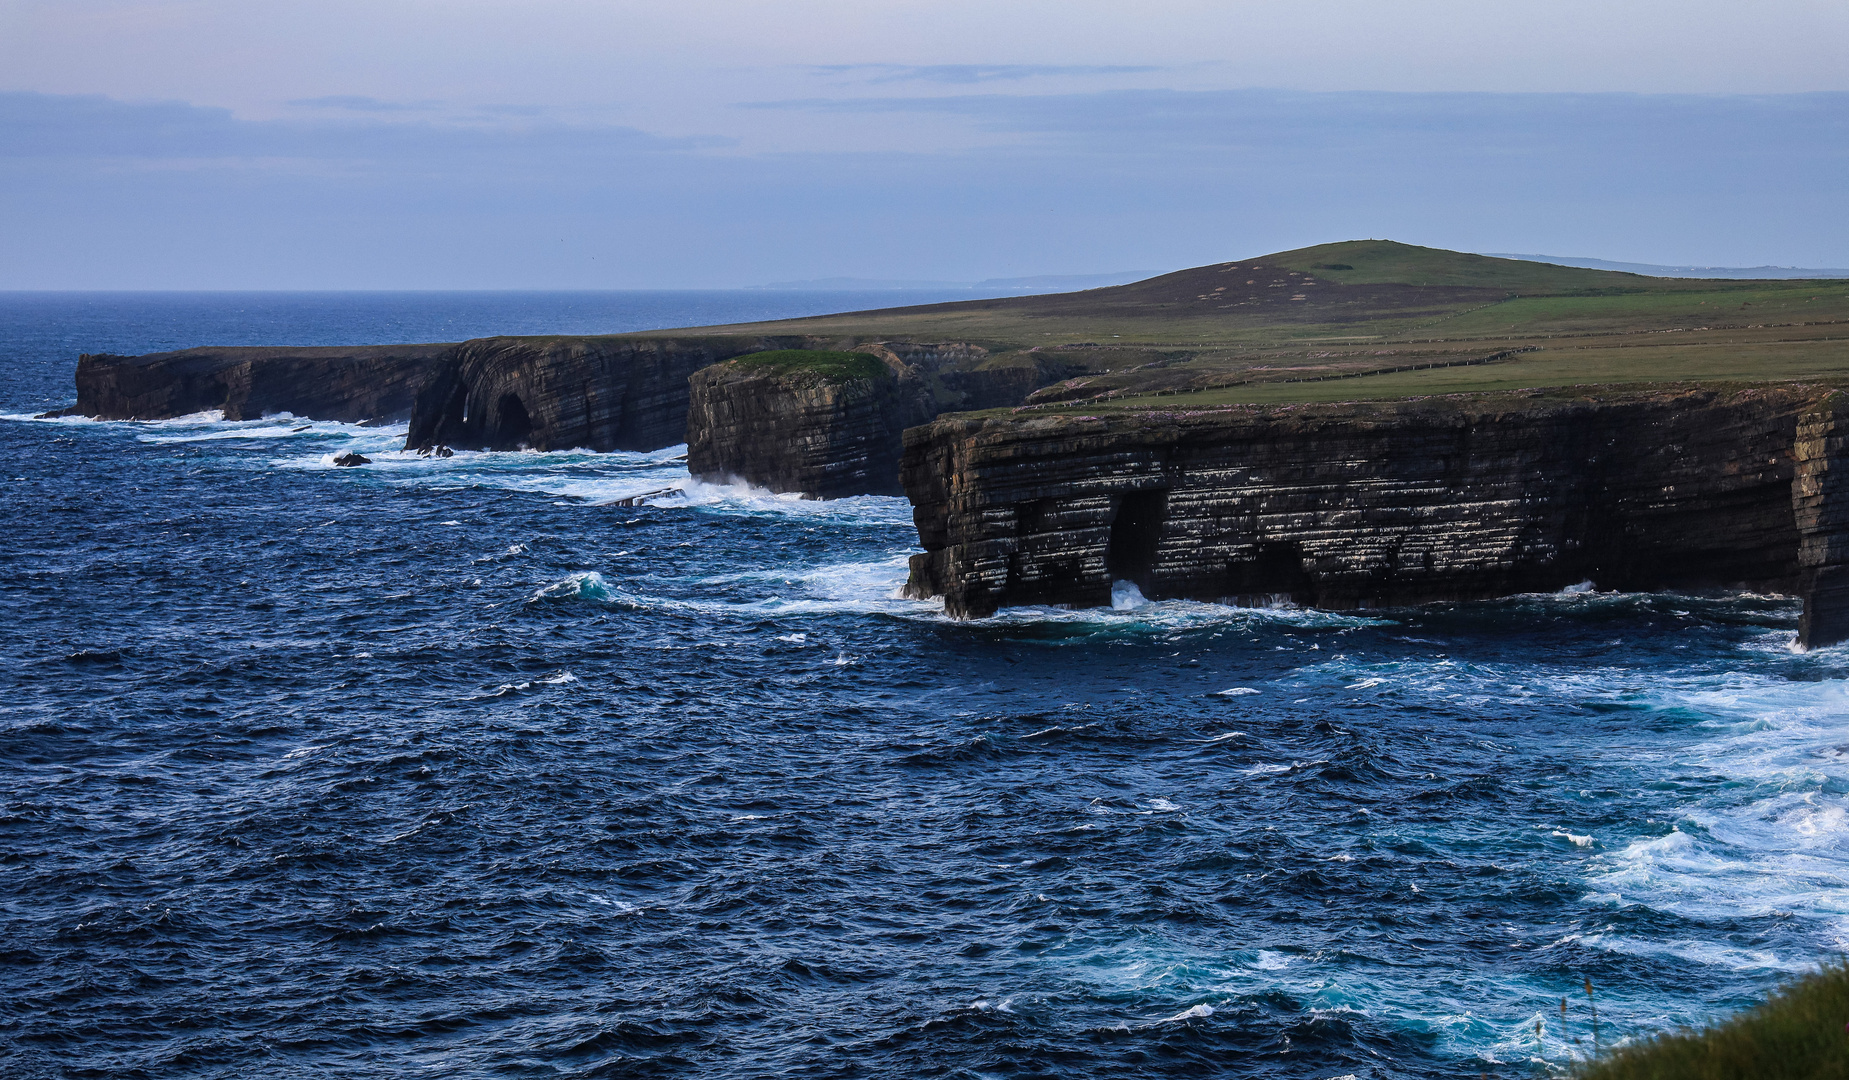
point(1057, 729)
point(588, 585)
point(1162, 616)
point(1238, 691)
point(1198, 1011)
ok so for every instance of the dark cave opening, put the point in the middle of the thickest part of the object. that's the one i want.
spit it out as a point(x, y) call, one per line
point(1136, 530)
point(513, 425)
point(1274, 573)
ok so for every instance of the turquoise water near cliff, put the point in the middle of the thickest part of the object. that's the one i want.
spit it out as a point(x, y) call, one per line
point(439, 766)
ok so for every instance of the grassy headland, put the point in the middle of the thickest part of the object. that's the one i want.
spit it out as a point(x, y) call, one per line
point(1266, 329)
point(1797, 1034)
point(832, 366)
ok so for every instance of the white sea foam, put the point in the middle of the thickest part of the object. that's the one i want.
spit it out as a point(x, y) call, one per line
point(1059, 729)
point(558, 678)
point(589, 585)
point(1266, 770)
point(1238, 691)
point(1125, 596)
point(1704, 953)
point(1197, 1012)
point(1773, 836)
point(835, 589)
point(1161, 616)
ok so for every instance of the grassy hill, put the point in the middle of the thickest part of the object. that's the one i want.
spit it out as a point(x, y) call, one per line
point(1344, 321)
point(1381, 262)
point(1796, 1034)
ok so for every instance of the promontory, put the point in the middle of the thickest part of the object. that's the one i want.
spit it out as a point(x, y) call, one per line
point(1355, 425)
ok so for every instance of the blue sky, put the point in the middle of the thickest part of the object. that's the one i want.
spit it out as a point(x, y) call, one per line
point(428, 144)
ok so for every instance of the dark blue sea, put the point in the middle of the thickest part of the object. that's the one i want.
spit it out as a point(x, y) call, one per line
point(441, 768)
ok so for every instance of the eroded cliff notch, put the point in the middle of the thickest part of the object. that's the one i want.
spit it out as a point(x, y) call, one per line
point(1365, 505)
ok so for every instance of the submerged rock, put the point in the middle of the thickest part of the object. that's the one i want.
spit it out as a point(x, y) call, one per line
point(350, 459)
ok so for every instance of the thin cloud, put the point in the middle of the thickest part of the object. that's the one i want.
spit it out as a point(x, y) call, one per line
point(1478, 126)
point(90, 126)
point(968, 74)
point(358, 103)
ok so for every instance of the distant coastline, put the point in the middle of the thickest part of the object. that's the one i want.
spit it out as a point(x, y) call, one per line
point(1040, 283)
point(1734, 273)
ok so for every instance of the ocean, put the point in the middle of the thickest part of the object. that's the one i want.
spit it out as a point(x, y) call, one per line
point(440, 767)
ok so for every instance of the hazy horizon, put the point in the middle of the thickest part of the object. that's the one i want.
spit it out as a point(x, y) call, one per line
point(159, 144)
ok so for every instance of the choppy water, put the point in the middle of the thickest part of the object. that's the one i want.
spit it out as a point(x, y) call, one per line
point(439, 766)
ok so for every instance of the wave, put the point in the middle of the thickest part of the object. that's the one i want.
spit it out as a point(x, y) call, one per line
point(1765, 828)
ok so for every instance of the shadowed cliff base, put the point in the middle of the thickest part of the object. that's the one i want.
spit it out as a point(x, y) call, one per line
point(1368, 505)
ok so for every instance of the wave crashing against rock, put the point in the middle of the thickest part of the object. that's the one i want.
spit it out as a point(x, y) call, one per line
point(1386, 504)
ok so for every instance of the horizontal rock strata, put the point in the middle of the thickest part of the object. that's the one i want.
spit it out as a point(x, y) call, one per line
point(1383, 504)
point(824, 435)
point(352, 384)
point(554, 393)
point(1820, 500)
point(570, 392)
point(492, 393)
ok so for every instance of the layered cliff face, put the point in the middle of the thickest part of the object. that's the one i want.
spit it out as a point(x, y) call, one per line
point(1820, 501)
point(826, 424)
point(1355, 506)
point(563, 393)
point(598, 393)
point(356, 385)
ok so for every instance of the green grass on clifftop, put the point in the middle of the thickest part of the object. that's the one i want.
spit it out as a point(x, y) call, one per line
point(1375, 262)
point(834, 366)
point(1368, 320)
point(1796, 1035)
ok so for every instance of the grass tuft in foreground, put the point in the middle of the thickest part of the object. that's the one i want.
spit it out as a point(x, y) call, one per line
point(834, 366)
point(1797, 1034)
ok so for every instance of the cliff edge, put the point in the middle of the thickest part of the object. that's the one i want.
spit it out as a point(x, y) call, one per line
point(360, 384)
point(1362, 505)
point(826, 424)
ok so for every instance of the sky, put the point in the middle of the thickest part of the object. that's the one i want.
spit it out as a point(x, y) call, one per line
point(466, 144)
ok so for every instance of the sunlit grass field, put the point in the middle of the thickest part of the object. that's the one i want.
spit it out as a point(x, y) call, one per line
point(1264, 330)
